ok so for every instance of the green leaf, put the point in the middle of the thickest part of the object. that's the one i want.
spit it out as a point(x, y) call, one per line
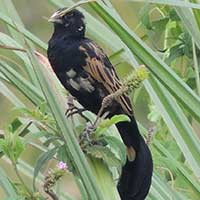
point(29, 90)
point(18, 148)
point(175, 52)
point(64, 156)
point(196, 13)
point(39, 134)
point(4, 90)
point(105, 154)
point(116, 55)
point(190, 179)
point(117, 147)
point(81, 188)
point(25, 32)
point(12, 146)
point(6, 40)
point(41, 161)
point(114, 120)
point(189, 23)
point(7, 186)
point(105, 179)
point(106, 123)
point(5, 147)
point(144, 16)
point(187, 141)
point(8, 8)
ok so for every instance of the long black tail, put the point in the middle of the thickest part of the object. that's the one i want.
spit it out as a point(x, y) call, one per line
point(135, 179)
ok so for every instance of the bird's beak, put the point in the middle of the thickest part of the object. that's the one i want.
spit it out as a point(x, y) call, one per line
point(56, 17)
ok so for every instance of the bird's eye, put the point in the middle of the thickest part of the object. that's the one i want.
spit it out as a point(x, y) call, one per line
point(80, 28)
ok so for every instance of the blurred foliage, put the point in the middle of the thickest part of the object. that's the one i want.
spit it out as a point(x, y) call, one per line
point(167, 115)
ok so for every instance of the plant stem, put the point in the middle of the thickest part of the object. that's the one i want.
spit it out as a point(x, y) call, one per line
point(21, 180)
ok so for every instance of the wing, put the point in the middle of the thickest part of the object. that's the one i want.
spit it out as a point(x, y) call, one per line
point(100, 68)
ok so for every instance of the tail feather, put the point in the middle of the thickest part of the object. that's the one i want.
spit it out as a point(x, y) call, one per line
point(136, 176)
point(135, 179)
point(130, 133)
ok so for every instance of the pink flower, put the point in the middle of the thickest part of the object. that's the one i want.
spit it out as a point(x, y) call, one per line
point(61, 165)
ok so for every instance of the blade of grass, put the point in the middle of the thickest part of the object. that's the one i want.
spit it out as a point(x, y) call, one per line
point(31, 92)
point(180, 136)
point(8, 8)
point(183, 172)
point(196, 68)
point(6, 40)
point(196, 13)
point(70, 140)
point(163, 72)
point(5, 183)
point(9, 95)
point(25, 32)
point(189, 23)
point(156, 145)
point(179, 127)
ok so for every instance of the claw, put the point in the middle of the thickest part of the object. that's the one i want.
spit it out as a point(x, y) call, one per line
point(72, 109)
point(89, 129)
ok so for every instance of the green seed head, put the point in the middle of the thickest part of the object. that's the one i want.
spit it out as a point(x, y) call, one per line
point(134, 80)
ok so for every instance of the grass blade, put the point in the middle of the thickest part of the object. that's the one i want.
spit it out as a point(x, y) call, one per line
point(5, 183)
point(163, 72)
point(69, 138)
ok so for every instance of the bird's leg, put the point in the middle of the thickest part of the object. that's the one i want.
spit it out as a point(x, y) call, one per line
point(100, 115)
point(85, 135)
point(105, 103)
point(107, 100)
point(72, 109)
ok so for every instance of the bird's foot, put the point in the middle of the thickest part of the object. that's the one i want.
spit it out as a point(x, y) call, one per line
point(72, 109)
point(75, 110)
point(87, 132)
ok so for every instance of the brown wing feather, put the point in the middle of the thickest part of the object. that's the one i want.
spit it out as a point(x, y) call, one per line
point(99, 67)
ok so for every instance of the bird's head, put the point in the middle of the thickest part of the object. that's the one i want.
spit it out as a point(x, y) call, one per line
point(69, 21)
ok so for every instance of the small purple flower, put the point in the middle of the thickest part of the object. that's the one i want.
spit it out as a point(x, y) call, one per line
point(61, 165)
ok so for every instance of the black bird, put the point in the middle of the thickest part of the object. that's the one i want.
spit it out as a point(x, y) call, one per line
point(86, 72)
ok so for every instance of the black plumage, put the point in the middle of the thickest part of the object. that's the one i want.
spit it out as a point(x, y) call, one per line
point(86, 72)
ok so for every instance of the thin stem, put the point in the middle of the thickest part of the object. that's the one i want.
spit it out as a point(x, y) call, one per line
point(11, 48)
point(196, 68)
point(21, 180)
point(52, 194)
